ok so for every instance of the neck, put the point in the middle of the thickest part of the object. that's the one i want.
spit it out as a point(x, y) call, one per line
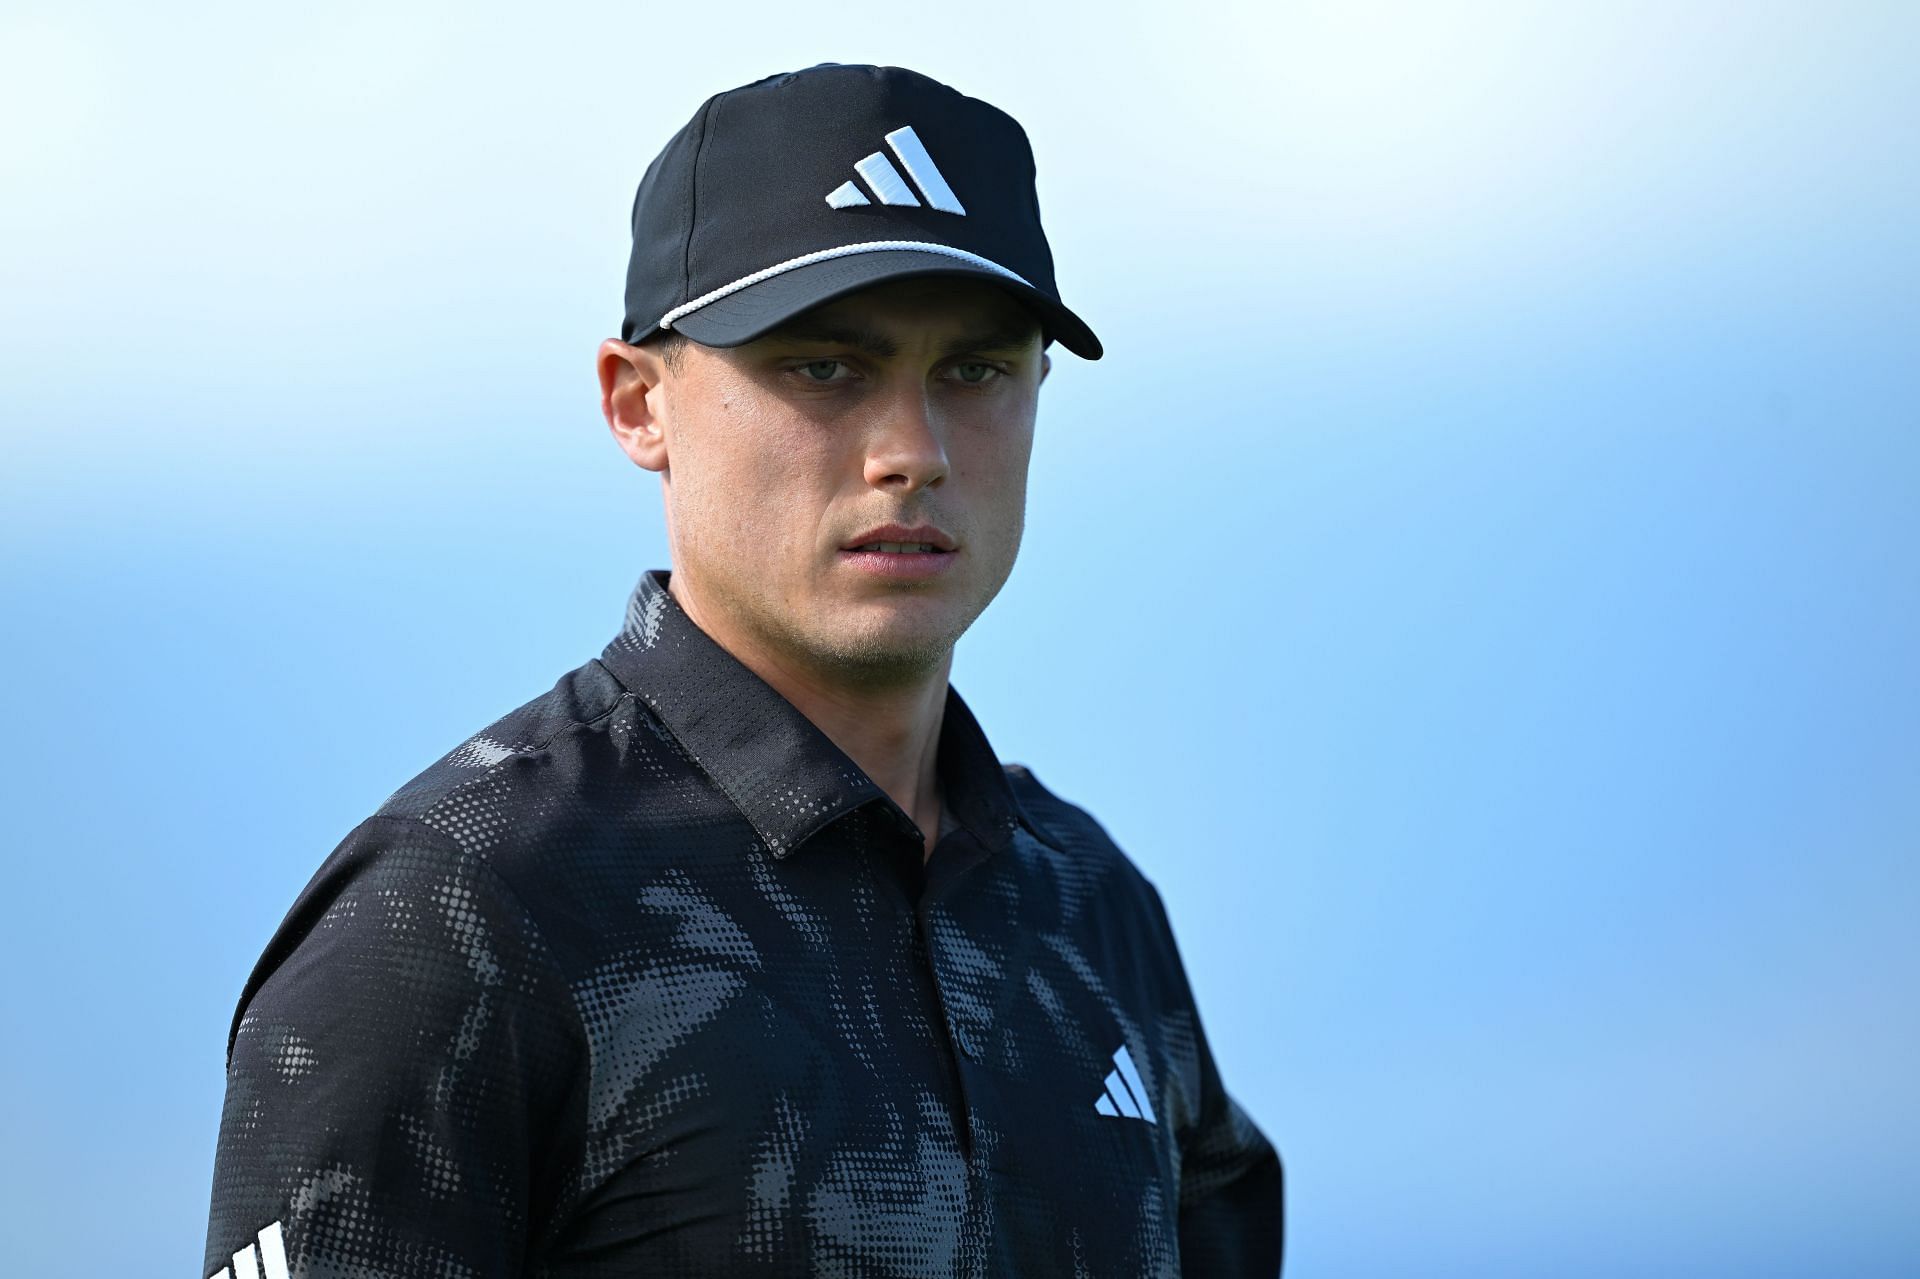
point(890, 730)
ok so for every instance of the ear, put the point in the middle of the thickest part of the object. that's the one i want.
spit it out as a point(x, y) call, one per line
point(1046, 365)
point(633, 400)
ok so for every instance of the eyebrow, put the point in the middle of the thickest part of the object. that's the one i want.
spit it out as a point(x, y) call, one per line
point(1005, 337)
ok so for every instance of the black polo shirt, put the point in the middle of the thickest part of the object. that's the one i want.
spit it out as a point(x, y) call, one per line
point(649, 979)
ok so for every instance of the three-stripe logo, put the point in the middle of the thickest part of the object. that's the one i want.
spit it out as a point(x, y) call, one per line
point(887, 184)
point(267, 1261)
point(1125, 1096)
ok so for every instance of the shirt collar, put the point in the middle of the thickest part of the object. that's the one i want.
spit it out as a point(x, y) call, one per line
point(783, 774)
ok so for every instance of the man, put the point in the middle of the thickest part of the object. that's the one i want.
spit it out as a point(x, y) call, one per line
point(739, 952)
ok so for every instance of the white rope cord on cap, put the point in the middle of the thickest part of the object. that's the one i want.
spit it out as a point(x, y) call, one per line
point(845, 250)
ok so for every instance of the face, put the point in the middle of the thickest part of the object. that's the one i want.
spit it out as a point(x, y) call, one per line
point(847, 493)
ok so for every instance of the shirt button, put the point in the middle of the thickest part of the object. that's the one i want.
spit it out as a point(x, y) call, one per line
point(965, 1041)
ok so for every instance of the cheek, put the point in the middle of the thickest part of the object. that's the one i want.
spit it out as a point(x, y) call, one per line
point(995, 460)
point(751, 487)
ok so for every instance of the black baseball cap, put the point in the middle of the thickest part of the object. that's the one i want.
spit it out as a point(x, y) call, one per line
point(802, 187)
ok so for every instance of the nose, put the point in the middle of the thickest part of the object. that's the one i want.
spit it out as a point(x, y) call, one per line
point(904, 450)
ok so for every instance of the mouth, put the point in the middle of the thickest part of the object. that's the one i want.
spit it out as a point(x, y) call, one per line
point(896, 552)
point(901, 539)
point(901, 548)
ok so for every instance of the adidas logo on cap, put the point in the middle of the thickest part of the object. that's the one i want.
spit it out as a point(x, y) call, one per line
point(890, 187)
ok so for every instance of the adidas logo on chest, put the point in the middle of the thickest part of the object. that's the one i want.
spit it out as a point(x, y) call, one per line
point(1123, 1093)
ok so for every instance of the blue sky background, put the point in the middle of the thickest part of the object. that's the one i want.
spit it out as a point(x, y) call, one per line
point(1479, 587)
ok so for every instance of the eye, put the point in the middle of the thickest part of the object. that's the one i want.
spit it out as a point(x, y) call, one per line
point(821, 370)
point(976, 372)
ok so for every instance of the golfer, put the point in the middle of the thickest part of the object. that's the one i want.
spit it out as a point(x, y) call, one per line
point(739, 952)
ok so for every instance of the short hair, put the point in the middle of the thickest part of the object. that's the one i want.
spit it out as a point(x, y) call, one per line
point(672, 345)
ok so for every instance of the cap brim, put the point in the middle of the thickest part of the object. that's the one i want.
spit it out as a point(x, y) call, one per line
point(755, 309)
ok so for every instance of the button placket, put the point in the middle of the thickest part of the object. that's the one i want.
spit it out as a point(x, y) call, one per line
point(968, 1039)
point(967, 1042)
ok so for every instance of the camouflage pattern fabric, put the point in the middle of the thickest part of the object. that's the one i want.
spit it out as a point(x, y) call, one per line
point(648, 979)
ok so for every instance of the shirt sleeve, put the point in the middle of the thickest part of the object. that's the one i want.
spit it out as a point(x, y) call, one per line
point(400, 1075)
point(1232, 1212)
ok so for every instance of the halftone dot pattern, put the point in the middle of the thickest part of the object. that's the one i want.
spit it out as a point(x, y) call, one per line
point(648, 978)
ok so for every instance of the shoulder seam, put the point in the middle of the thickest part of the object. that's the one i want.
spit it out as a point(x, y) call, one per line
point(621, 693)
point(1020, 776)
point(532, 748)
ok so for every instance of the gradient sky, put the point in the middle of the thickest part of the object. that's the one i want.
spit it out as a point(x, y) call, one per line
point(1479, 587)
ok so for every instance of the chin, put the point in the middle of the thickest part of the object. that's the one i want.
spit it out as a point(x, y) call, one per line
point(889, 649)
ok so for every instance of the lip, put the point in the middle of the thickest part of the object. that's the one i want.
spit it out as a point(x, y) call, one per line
point(907, 566)
point(932, 536)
